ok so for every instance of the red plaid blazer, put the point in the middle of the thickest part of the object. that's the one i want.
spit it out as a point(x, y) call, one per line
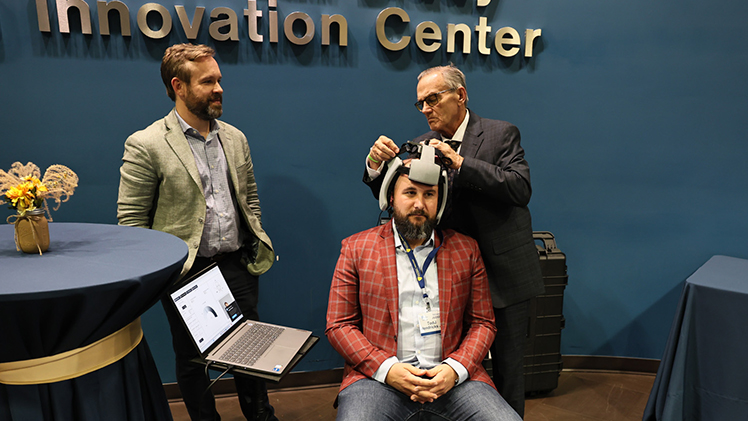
point(362, 313)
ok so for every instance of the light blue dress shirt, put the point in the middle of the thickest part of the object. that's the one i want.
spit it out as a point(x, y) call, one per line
point(221, 233)
point(422, 351)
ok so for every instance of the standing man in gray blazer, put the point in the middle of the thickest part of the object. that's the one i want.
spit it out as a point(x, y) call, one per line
point(191, 175)
point(490, 190)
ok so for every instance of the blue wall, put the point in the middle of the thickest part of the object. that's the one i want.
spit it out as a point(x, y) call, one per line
point(632, 116)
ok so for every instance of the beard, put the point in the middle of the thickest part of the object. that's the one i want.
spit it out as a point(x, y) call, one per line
point(412, 231)
point(202, 107)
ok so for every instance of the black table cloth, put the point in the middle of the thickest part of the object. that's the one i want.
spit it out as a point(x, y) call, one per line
point(702, 375)
point(94, 280)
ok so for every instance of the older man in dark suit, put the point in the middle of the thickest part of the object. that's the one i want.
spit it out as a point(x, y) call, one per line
point(489, 197)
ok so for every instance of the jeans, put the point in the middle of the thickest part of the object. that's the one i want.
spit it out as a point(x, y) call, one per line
point(370, 400)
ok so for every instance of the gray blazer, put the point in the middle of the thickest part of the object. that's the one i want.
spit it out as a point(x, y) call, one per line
point(489, 203)
point(160, 188)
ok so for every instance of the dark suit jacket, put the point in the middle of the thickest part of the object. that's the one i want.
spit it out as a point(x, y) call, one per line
point(362, 314)
point(489, 203)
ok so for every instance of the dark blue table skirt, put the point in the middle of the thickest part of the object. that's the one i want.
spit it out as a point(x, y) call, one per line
point(93, 280)
point(703, 372)
point(127, 390)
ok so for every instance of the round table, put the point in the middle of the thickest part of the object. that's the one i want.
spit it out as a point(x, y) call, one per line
point(94, 280)
point(701, 374)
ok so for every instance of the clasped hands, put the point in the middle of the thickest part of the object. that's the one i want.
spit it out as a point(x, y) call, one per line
point(385, 149)
point(422, 385)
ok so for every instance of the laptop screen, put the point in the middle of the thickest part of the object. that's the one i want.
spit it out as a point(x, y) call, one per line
point(207, 307)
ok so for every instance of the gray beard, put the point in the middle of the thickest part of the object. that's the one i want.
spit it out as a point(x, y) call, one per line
point(412, 232)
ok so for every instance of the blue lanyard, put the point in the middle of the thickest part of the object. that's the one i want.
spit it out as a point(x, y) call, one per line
point(421, 272)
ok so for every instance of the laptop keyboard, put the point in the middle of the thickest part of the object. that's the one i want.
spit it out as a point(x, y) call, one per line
point(252, 344)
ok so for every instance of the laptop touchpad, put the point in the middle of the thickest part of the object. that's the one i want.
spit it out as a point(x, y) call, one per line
point(276, 354)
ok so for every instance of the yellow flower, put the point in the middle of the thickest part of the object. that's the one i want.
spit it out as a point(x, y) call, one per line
point(15, 192)
point(35, 182)
point(28, 195)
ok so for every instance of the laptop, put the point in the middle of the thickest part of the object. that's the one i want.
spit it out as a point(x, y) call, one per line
point(223, 335)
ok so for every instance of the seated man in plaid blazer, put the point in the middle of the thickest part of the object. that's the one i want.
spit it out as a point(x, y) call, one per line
point(410, 312)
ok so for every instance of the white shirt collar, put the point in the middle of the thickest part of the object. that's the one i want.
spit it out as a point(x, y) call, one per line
point(185, 126)
point(460, 133)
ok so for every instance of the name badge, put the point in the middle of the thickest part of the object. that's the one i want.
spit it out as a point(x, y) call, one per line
point(428, 322)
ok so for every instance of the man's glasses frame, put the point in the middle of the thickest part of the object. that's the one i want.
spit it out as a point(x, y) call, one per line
point(432, 99)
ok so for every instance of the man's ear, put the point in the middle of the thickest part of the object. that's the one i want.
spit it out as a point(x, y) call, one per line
point(178, 86)
point(462, 92)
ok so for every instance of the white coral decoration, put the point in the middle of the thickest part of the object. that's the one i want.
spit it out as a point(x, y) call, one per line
point(60, 180)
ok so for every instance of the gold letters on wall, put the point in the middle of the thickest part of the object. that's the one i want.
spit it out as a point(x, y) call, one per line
point(298, 27)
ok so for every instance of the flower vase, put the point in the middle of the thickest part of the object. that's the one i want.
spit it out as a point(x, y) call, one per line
point(32, 232)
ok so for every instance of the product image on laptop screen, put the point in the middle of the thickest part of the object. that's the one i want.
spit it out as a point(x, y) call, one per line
point(222, 334)
point(207, 308)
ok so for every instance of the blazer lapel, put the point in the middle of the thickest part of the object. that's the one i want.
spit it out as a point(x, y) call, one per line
point(385, 248)
point(178, 143)
point(473, 136)
point(445, 274)
point(229, 151)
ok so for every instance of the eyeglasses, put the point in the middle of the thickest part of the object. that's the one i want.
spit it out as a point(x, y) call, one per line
point(431, 100)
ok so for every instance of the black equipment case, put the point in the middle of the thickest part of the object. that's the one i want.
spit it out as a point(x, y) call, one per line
point(543, 362)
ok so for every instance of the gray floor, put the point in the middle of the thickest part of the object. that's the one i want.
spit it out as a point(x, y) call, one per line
point(580, 396)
